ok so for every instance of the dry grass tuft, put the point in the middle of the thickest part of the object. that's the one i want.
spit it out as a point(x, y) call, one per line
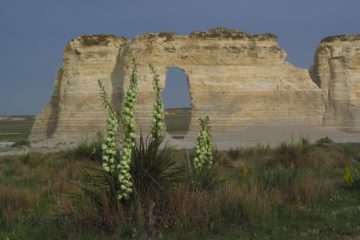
point(13, 200)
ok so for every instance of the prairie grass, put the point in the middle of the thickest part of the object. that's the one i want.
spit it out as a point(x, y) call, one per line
point(292, 191)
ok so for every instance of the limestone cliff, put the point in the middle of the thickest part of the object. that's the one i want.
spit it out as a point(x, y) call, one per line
point(74, 112)
point(235, 78)
point(336, 70)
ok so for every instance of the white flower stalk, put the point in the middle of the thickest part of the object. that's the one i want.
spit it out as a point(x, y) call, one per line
point(109, 146)
point(158, 112)
point(128, 119)
point(109, 155)
point(203, 155)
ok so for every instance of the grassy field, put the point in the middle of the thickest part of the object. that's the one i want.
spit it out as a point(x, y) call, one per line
point(293, 191)
point(14, 128)
point(177, 121)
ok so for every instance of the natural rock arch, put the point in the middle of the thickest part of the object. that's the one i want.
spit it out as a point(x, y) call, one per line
point(235, 78)
point(178, 107)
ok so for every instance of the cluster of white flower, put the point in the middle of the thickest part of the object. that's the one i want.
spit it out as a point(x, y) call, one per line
point(128, 119)
point(203, 154)
point(109, 146)
point(158, 113)
point(119, 163)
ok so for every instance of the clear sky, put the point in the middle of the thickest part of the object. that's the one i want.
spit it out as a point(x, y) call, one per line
point(34, 33)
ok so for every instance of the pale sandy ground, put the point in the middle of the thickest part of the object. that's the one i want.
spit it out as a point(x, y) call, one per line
point(6, 149)
point(242, 137)
point(5, 144)
point(273, 135)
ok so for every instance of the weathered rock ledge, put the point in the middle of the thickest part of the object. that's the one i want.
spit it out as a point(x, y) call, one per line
point(341, 38)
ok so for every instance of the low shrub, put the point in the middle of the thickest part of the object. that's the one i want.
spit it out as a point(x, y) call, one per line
point(324, 141)
point(293, 154)
point(233, 153)
point(87, 150)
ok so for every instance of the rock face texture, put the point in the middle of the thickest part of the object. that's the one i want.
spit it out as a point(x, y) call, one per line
point(235, 78)
point(336, 70)
point(74, 112)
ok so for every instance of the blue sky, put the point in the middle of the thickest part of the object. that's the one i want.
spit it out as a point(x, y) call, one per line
point(34, 33)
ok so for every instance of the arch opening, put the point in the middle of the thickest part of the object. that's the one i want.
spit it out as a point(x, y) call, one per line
point(177, 101)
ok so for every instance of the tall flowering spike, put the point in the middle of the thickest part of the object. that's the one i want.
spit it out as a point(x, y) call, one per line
point(109, 147)
point(203, 154)
point(128, 120)
point(158, 112)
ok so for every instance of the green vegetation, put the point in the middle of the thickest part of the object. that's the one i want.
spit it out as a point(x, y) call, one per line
point(264, 194)
point(177, 121)
point(177, 124)
point(15, 128)
point(204, 150)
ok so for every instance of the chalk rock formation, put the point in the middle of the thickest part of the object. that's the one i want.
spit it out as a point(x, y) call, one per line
point(336, 70)
point(235, 78)
point(74, 112)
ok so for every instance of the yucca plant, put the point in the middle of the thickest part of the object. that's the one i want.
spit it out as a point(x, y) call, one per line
point(110, 153)
point(203, 176)
point(204, 152)
point(99, 187)
point(158, 112)
point(128, 118)
point(154, 167)
point(135, 180)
